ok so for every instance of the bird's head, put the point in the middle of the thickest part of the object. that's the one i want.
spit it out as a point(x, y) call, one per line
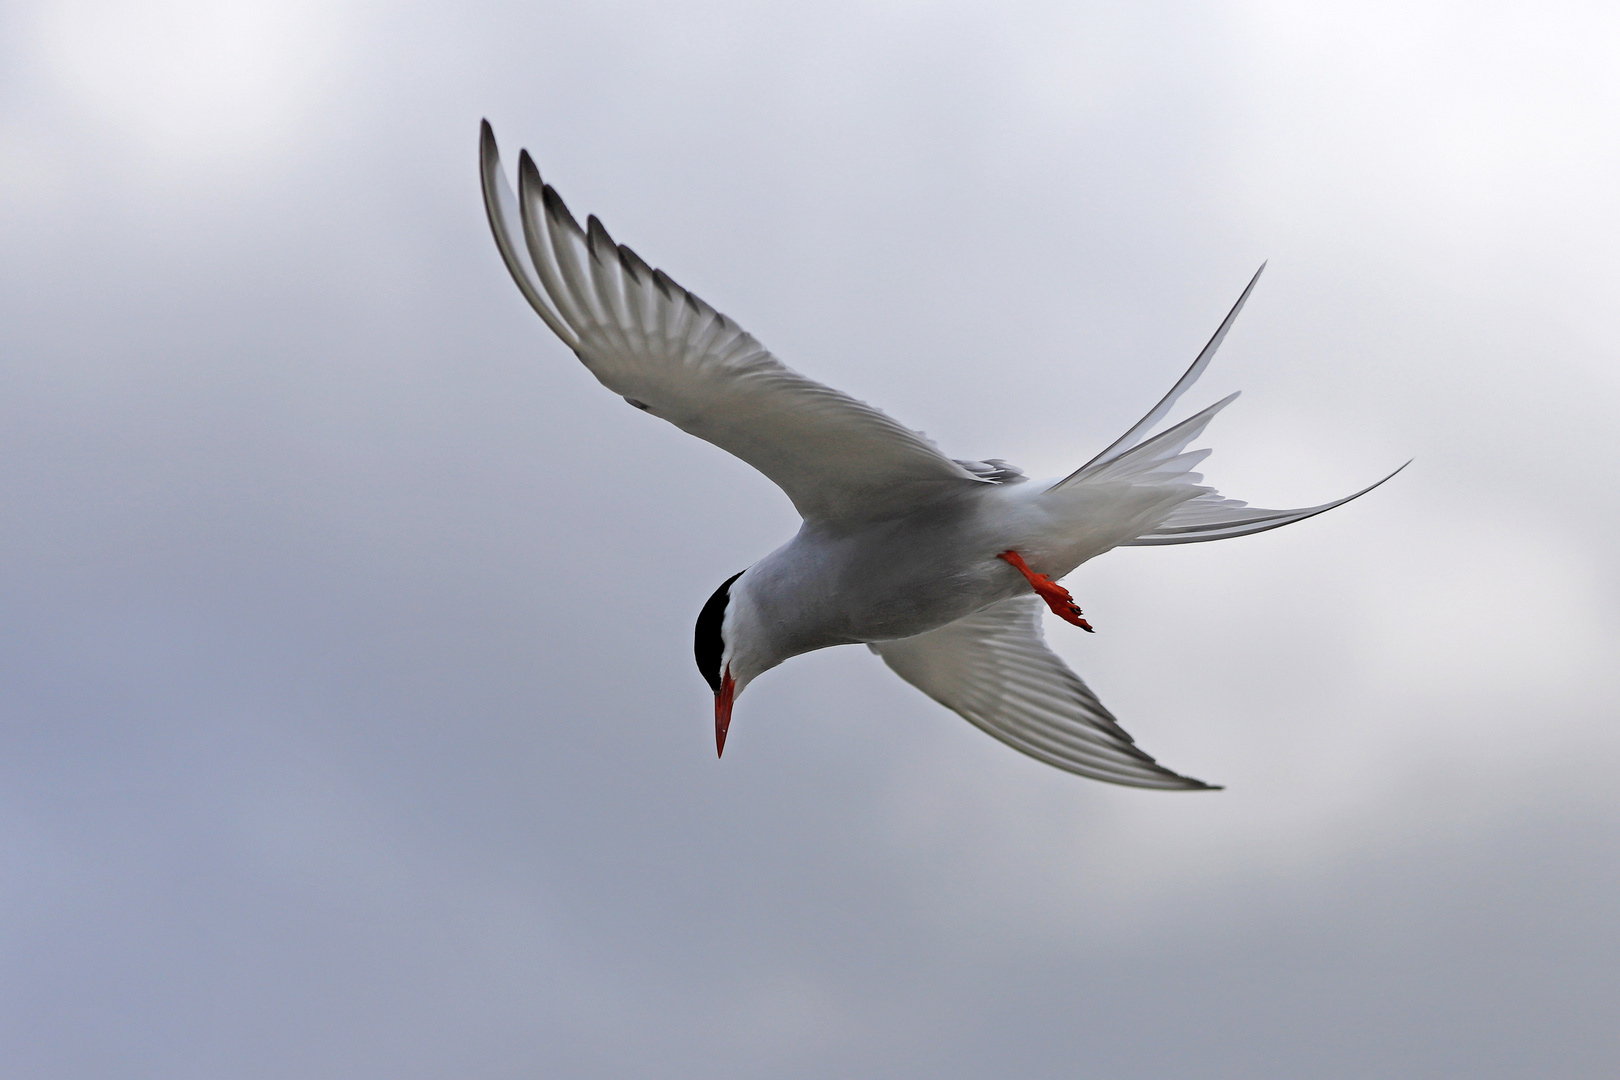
point(718, 659)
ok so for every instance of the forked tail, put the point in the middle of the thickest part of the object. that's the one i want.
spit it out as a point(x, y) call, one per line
point(1199, 513)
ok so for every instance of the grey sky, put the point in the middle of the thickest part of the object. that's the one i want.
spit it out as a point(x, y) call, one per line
point(350, 725)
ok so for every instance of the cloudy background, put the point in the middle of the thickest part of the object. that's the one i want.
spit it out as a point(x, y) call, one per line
point(350, 724)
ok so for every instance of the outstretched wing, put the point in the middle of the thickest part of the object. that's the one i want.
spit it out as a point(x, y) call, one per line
point(994, 668)
point(668, 352)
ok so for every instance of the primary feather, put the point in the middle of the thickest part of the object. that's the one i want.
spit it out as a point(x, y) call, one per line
point(648, 339)
point(994, 669)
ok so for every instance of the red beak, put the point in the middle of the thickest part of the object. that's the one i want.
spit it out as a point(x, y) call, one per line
point(722, 711)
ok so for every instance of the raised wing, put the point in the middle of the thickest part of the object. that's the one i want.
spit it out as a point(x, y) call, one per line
point(668, 352)
point(994, 669)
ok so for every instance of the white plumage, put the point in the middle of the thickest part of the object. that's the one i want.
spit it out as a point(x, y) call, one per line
point(938, 565)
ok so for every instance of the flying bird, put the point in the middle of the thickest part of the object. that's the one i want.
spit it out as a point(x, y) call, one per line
point(942, 567)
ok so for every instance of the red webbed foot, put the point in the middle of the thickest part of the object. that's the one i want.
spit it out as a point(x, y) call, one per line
point(1056, 596)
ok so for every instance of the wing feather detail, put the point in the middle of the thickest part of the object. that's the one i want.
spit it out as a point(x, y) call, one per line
point(668, 352)
point(505, 221)
point(994, 669)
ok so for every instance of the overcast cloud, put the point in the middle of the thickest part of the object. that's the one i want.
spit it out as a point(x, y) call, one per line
point(350, 724)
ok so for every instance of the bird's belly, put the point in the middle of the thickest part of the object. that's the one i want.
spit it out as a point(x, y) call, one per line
point(820, 591)
point(905, 606)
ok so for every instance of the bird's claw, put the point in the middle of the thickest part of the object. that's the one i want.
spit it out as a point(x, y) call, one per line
point(1056, 596)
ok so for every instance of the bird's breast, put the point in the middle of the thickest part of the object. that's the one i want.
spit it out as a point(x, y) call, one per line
point(882, 582)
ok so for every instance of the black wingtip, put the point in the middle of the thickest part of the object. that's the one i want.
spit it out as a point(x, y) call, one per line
point(487, 150)
point(558, 209)
point(597, 232)
point(666, 285)
point(632, 265)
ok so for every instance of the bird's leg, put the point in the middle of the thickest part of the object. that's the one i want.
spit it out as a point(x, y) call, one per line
point(1056, 596)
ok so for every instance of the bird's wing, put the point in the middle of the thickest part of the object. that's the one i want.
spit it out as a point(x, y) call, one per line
point(994, 668)
point(668, 352)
